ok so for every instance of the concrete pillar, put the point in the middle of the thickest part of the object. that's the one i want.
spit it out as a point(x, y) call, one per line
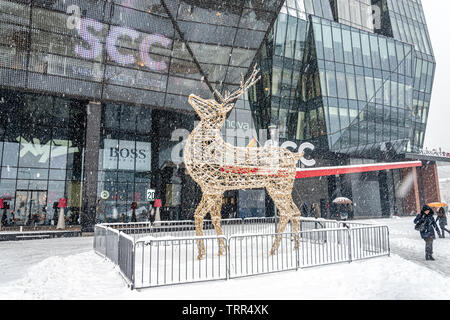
point(429, 183)
point(411, 200)
point(91, 153)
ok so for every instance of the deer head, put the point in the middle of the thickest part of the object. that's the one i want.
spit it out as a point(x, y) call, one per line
point(214, 112)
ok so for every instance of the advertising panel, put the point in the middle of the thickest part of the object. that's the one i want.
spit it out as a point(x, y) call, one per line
point(126, 155)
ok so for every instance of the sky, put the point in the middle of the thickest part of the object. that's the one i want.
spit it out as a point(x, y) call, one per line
point(438, 125)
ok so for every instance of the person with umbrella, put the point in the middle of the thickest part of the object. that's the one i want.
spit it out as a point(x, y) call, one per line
point(344, 211)
point(425, 224)
point(441, 218)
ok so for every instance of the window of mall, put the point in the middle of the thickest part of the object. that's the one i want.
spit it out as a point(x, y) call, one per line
point(140, 161)
point(41, 147)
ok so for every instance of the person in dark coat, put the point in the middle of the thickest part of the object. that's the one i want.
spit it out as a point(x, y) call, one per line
point(4, 218)
point(304, 209)
point(343, 212)
point(442, 219)
point(351, 211)
point(425, 217)
point(312, 211)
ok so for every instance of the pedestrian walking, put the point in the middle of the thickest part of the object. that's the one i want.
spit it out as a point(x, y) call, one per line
point(4, 219)
point(425, 224)
point(344, 212)
point(442, 219)
point(151, 214)
point(312, 211)
point(304, 209)
point(351, 211)
point(315, 212)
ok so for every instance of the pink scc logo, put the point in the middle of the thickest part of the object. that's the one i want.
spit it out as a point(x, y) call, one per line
point(93, 48)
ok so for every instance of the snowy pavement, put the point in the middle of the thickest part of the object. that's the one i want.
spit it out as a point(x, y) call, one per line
point(67, 268)
point(406, 243)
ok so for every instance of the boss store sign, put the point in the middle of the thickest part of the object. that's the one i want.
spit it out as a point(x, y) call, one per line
point(125, 155)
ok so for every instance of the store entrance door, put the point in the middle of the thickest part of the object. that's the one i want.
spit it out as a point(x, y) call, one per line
point(30, 207)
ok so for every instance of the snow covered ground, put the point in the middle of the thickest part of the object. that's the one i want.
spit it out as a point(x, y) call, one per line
point(68, 268)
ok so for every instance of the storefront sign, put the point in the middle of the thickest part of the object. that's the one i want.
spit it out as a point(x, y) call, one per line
point(125, 155)
point(58, 148)
point(104, 195)
point(93, 46)
point(151, 194)
point(232, 124)
point(177, 155)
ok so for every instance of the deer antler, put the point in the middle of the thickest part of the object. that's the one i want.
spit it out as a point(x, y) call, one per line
point(245, 85)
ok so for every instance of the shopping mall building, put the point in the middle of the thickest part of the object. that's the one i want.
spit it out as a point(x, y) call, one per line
point(94, 101)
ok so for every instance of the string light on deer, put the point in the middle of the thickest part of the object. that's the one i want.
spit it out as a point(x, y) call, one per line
point(218, 167)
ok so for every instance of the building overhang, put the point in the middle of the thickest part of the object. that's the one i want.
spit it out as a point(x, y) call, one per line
point(438, 157)
point(332, 171)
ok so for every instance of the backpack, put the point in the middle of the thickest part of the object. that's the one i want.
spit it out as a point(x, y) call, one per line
point(420, 226)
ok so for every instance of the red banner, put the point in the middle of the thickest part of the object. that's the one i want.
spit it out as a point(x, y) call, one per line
point(62, 203)
point(331, 171)
point(158, 203)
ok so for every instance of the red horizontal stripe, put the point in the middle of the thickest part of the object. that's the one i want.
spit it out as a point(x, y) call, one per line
point(331, 171)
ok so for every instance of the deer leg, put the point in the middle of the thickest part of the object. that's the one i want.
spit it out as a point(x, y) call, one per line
point(209, 204)
point(295, 222)
point(296, 230)
point(280, 202)
point(199, 216)
point(281, 226)
point(216, 217)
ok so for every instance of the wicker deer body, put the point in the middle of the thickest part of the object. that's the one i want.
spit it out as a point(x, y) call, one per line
point(218, 166)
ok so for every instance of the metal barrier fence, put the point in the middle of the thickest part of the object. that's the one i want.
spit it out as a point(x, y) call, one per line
point(118, 248)
point(368, 242)
point(166, 254)
point(327, 246)
point(100, 240)
point(250, 254)
point(163, 261)
point(126, 258)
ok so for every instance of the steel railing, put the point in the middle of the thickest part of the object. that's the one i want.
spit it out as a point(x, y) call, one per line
point(163, 261)
point(117, 247)
point(250, 254)
point(166, 254)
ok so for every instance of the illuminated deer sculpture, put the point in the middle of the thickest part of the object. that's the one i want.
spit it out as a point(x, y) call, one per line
point(218, 166)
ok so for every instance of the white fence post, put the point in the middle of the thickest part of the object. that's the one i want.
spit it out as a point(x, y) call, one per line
point(349, 245)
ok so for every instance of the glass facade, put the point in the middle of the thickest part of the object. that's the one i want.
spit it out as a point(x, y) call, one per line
point(408, 25)
point(366, 83)
point(357, 87)
point(354, 13)
point(42, 141)
point(356, 82)
point(94, 98)
point(137, 51)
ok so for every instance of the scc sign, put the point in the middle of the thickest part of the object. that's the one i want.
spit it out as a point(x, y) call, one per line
point(93, 48)
point(183, 134)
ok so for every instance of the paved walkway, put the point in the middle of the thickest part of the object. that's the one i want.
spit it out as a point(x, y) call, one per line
point(407, 243)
